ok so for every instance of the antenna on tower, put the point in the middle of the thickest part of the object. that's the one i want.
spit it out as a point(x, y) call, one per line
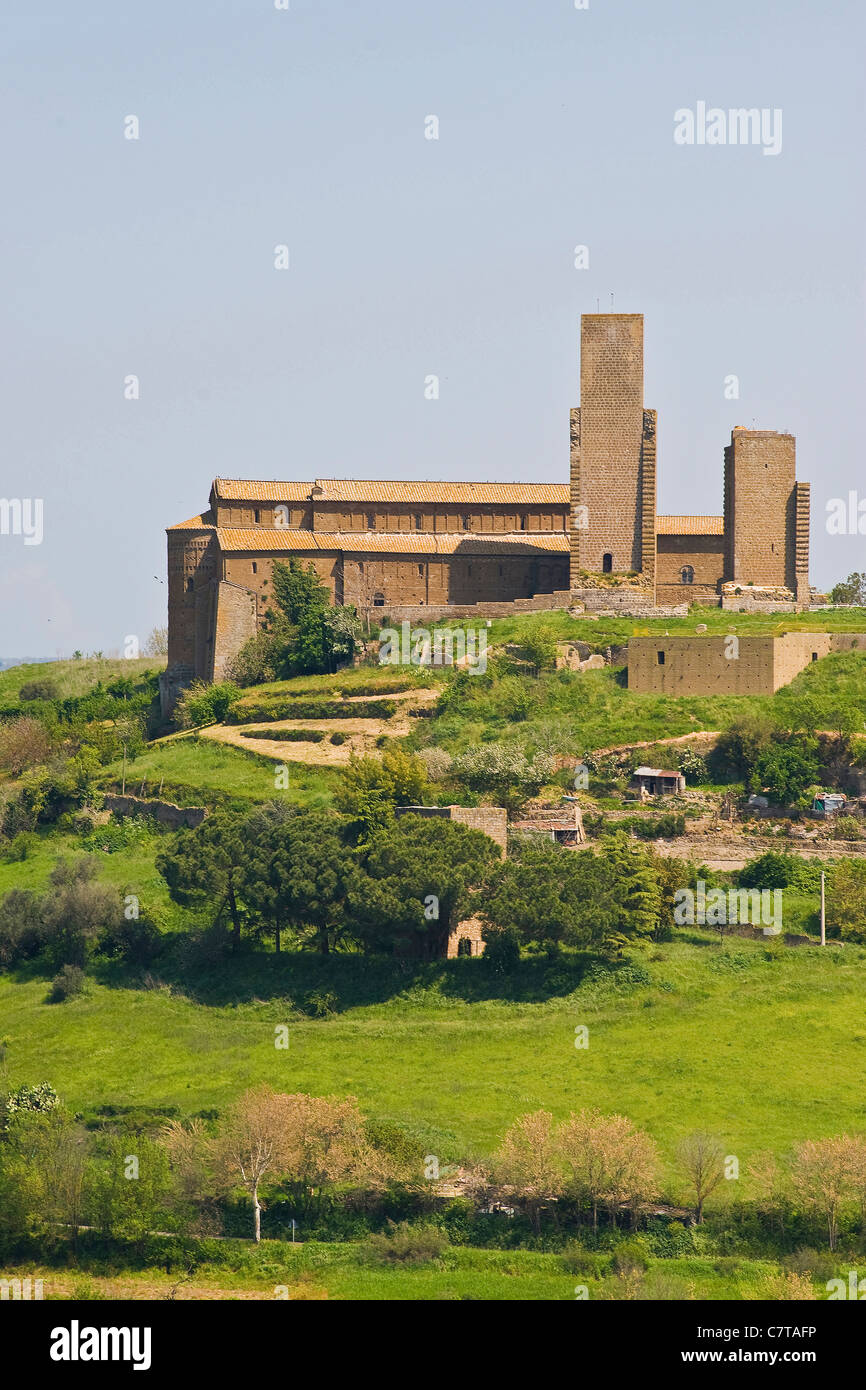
point(611, 301)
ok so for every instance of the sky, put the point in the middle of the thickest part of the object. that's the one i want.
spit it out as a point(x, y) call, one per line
point(306, 127)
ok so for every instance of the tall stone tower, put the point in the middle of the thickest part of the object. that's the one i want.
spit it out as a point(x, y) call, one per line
point(766, 513)
point(613, 455)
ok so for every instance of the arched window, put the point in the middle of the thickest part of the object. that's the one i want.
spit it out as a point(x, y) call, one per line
point(607, 563)
point(464, 946)
point(687, 574)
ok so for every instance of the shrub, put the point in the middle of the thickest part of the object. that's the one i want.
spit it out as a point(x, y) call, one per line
point(265, 656)
point(817, 1264)
point(404, 1243)
point(287, 735)
point(297, 707)
point(117, 834)
point(501, 949)
point(21, 847)
point(338, 738)
point(437, 763)
point(692, 765)
point(65, 985)
point(630, 1257)
point(846, 828)
point(23, 743)
point(41, 1097)
point(321, 1004)
point(38, 690)
point(590, 1263)
point(201, 703)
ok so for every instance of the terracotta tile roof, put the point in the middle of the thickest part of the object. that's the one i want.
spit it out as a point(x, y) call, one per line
point(242, 490)
point(195, 523)
point(256, 540)
point(378, 490)
point(690, 525)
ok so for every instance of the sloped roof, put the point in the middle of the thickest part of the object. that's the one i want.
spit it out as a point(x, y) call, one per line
point(256, 540)
point(690, 525)
point(204, 521)
point(384, 490)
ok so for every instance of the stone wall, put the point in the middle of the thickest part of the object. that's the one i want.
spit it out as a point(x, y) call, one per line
point(234, 622)
point(705, 555)
point(761, 508)
point(726, 665)
point(163, 811)
point(607, 445)
point(628, 602)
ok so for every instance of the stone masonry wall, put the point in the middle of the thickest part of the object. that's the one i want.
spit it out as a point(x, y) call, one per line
point(234, 624)
point(163, 811)
point(606, 457)
point(760, 508)
point(709, 665)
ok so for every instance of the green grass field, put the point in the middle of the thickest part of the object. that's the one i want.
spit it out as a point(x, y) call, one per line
point(763, 1045)
point(345, 1271)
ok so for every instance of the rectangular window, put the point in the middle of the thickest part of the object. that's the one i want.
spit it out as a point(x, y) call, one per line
point(257, 514)
point(371, 522)
point(661, 658)
point(417, 521)
point(255, 568)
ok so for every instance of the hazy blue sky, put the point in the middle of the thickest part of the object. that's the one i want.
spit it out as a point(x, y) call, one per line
point(408, 257)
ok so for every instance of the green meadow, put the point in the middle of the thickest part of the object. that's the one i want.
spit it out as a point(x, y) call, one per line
point(763, 1045)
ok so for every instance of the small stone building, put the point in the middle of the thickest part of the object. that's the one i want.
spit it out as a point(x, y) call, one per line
point(466, 939)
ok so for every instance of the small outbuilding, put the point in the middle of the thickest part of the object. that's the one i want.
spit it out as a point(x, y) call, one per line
point(658, 781)
point(828, 803)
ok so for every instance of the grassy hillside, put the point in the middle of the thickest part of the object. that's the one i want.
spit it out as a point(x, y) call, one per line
point(73, 677)
point(196, 771)
point(583, 711)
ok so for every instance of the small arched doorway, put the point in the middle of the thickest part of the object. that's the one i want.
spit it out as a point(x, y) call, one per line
point(607, 563)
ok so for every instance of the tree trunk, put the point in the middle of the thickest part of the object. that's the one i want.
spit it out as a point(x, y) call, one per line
point(257, 1214)
point(233, 909)
point(277, 935)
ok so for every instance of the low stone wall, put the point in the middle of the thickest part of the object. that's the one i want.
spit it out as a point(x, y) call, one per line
point(163, 811)
point(745, 603)
point(422, 615)
point(628, 602)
